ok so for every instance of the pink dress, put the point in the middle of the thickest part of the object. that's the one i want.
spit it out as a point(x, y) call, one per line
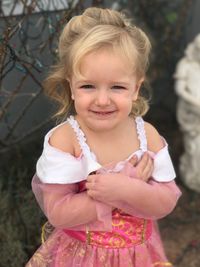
point(88, 233)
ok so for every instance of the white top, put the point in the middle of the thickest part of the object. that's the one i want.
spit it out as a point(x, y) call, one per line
point(58, 167)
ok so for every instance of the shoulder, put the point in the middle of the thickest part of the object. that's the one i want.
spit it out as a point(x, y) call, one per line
point(57, 164)
point(62, 138)
point(154, 140)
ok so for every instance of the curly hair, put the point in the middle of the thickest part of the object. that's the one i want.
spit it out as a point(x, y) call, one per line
point(96, 28)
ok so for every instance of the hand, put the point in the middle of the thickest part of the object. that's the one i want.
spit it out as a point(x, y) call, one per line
point(105, 187)
point(142, 169)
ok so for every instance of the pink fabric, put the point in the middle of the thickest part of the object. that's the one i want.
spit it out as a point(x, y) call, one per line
point(61, 250)
point(66, 207)
point(127, 231)
point(117, 238)
point(149, 200)
point(155, 201)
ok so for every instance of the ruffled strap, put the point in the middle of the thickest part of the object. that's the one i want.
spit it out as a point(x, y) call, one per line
point(89, 158)
point(141, 133)
point(80, 135)
point(163, 167)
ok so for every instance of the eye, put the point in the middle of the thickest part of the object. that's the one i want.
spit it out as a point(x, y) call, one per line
point(118, 87)
point(87, 86)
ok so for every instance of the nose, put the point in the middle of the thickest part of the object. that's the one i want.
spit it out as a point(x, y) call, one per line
point(102, 97)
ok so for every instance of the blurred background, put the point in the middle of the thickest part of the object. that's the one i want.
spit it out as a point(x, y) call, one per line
point(29, 32)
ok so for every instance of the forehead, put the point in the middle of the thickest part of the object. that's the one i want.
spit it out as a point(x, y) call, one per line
point(105, 62)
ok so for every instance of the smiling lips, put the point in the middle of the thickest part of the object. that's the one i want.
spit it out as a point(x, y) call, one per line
point(103, 113)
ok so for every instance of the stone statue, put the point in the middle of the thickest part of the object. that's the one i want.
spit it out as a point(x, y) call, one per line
point(187, 86)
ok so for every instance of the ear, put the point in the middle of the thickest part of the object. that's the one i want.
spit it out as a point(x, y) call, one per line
point(137, 89)
point(72, 94)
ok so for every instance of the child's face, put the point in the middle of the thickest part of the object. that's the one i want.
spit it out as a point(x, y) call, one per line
point(103, 96)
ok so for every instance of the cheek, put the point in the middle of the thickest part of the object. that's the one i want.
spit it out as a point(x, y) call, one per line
point(81, 101)
point(126, 103)
point(127, 98)
point(129, 103)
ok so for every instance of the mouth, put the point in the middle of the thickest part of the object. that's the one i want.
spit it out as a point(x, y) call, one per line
point(103, 113)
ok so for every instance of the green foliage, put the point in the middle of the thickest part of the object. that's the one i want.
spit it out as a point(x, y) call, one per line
point(171, 17)
point(21, 218)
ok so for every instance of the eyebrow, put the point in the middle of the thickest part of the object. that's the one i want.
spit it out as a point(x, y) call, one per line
point(92, 82)
point(84, 81)
point(120, 82)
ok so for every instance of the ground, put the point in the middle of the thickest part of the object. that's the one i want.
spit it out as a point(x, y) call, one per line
point(181, 231)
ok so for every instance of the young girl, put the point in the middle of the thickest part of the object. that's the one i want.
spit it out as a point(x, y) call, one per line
point(102, 204)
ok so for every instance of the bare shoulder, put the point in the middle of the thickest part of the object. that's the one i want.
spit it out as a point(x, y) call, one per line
point(154, 140)
point(62, 138)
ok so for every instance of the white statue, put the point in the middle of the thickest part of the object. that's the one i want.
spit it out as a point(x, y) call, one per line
point(187, 87)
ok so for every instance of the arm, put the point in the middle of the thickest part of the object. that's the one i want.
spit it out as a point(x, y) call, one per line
point(134, 196)
point(149, 200)
point(63, 204)
point(65, 207)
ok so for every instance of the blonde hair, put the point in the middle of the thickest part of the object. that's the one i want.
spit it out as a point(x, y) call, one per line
point(96, 28)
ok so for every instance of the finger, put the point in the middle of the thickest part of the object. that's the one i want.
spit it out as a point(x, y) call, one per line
point(90, 186)
point(151, 172)
point(93, 194)
point(148, 164)
point(147, 171)
point(143, 162)
point(91, 178)
point(140, 166)
point(133, 160)
point(90, 193)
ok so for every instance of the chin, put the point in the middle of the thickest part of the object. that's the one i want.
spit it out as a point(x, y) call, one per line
point(101, 125)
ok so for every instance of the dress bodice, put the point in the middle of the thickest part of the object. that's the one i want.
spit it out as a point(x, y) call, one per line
point(52, 168)
point(126, 231)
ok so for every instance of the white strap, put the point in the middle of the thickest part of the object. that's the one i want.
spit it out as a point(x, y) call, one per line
point(141, 133)
point(80, 135)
